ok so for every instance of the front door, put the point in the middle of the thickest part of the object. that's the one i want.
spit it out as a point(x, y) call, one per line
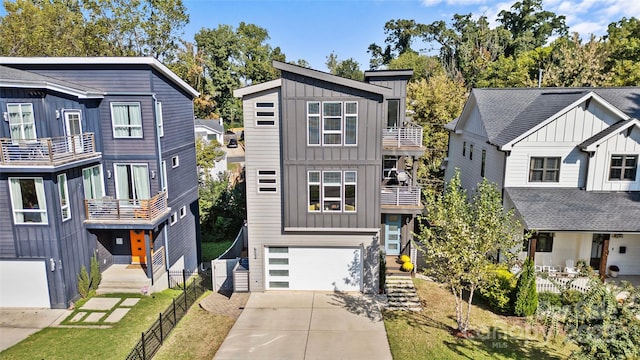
point(73, 124)
point(138, 249)
point(392, 228)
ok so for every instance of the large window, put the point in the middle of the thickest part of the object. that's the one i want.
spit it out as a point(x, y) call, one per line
point(623, 167)
point(332, 191)
point(63, 191)
point(393, 113)
point(21, 122)
point(332, 123)
point(93, 183)
point(132, 182)
point(544, 169)
point(127, 120)
point(28, 200)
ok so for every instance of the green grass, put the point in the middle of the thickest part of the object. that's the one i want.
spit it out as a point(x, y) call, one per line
point(198, 335)
point(428, 334)
point(211, 250)
point(93, 343)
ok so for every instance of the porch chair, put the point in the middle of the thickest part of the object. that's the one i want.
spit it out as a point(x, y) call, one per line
point(570, 268)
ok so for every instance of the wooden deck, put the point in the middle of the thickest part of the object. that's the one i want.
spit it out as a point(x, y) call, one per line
point(393, 267)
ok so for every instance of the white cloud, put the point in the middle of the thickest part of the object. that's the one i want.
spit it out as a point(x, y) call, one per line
point(465, 2)
point(586, 28)
point(431, 2)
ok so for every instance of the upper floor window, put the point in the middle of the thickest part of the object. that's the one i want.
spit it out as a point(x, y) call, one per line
point(63, 190)
point(93, 183)
point(332, 191)
point(265, 113)
point(21, 121)
point(464, 148)
point(127, 120)
point(623, 167)
point(160, 121)
point(132, 183)
point(332, 124)
point(471, 152)
point(483, 162)
point(544, 169)
point(393, 113)
point(28, 200)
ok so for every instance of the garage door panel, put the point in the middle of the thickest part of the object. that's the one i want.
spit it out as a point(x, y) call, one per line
point(23, 284)
point(319, 269)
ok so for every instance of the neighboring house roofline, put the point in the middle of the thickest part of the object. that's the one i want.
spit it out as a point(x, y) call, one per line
point(212, 125)
point(319, 75)
point(252, 89)
point(14, 78)
point(589, 96)
point(150, 61)
point(592, 143)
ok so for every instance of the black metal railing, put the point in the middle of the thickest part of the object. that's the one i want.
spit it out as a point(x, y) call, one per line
point(152, 339)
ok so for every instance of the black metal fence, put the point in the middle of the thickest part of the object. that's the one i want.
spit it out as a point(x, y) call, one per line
point(154, 337)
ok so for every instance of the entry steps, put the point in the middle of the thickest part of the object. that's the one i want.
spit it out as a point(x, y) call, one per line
point(401, 294)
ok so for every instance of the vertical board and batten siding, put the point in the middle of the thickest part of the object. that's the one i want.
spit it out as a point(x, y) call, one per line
point(299, 158)
point(559, 138)
point(7, 242)
point(262, 152)
point(399, 88)
point(629, 262)
point(600, 162)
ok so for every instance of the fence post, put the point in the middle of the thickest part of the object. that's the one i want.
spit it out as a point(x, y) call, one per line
point(160, 319)
point(184, 279)
point(174, 312)
point(144, 354)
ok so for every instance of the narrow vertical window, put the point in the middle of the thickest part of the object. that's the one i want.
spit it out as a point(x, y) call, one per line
point(314, 191)
point(350, 178)
point(471, 152)
point(163, 175)
point(159, 119)
point(313, 123)
point(483, 162)
point(351, 123)
point(393, 113)
point(63, 190)
point(332, 191)
point(464, 149)
point(93, 183)
point(332, 123)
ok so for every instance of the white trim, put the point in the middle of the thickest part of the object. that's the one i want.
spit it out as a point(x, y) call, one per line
point(46, 85)
point(257, 88)
point(319, 115)
point(324, 117)
point(154, 63)
point(42, 209)
point(270, 119)
point(319, 185)
point(173, 218)
point(113, 125)
point(183, 211)
point(594, 147)
point(164, 179)
point(344, 191)
point(332, 230)
point(159, 119)
point(175, 161)
point(101, 177)
point(591, 95)
point(267, 181)
point(607, 178)
point(344, 137)
point(33, 115)
point(66, 193)
point(339, 198)
point(130, 168)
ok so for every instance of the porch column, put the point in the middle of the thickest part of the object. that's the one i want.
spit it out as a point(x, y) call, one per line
point(603, 258)
point(532, 248)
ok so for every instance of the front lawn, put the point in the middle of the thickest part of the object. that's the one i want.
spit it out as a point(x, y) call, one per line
point(428, 334)
point(211, 250)
point(85, 342)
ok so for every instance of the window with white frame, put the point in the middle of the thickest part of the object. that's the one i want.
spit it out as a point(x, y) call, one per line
point(332, 191)
point(126, 119)
point(28, 200)
point(350, 123)
point(63, 191)
point(183, 212)
point(331, 123)
point(623, 167)
point(544, 169)
point(265, 113)
point(159, 119)
point(313, 123)
point(393, 113)
point(21, 121)
point(163, 176)
point(93, 182)
point(173, 218)
point(132, 182)
point(267, 181)
point(175, 161)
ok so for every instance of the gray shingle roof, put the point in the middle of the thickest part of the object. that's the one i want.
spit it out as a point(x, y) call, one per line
point(10, 76)
point(508, 113)
point(602, 134)
point(213, 125)
point(570, 209)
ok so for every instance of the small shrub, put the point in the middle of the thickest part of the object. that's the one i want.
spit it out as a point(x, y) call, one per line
point(83, 282)
point(96, 276)
point(497, 292)
point(547, 300)
point(383, 273)
point(407, 266)
point(404, 259)
point(571, 297)
point(526, 295)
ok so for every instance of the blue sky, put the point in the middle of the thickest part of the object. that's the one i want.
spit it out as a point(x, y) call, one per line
point(312, 29)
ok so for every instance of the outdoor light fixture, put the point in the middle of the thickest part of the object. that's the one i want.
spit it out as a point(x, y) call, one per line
point(108, 174)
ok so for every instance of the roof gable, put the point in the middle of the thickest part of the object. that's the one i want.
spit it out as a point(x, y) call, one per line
point(14, 78)
point(252, 89)
point(593, 142)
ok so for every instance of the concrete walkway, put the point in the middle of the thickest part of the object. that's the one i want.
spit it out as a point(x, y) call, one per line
point(308, 326)
point(17, 324)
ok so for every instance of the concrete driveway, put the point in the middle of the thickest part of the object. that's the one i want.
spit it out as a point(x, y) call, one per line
point(308, 325)
point(17, 324)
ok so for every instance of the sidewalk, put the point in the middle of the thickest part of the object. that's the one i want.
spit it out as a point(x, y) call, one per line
point(17, 324)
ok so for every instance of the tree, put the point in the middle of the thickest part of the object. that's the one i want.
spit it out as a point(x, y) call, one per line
point(349, 68)
point(574, 64)
point(434, 102)
point(422, 66)
point(400, 34)
point(606, 323)
point(207, 154)
point(623, 43)
point(526, 294)
point(464, 238)
point(222, 208)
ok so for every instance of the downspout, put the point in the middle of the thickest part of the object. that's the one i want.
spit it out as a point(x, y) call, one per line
point(162, 177)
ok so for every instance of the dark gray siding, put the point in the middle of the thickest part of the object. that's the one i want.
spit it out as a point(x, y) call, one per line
point(399, 87)
point(112, 147)
point(298, 158)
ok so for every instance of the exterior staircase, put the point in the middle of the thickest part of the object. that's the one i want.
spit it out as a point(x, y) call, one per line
point(401, 294)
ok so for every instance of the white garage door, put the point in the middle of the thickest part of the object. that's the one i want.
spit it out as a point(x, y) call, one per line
point(24, 284)
point(302, 268)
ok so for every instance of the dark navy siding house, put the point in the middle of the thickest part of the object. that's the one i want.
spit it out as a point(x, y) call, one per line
point(97, 158)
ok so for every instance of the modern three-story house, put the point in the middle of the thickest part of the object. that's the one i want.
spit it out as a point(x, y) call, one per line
point(567, 160)
point(97, 158)
point(330, 168)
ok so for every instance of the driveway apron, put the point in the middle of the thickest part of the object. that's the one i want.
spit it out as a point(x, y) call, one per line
point(308, 326)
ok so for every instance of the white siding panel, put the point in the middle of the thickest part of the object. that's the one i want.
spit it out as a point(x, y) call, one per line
point(573, 165)
point(629, 262)
point(600, 163)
